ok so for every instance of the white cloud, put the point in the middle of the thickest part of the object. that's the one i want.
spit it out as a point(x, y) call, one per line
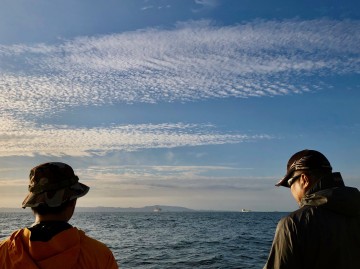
point(207, 3)
point(147, 7)
point(193, 61)
point(174, 177)
point(25, 138)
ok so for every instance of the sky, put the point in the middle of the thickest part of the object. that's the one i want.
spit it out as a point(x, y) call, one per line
point(194, 103)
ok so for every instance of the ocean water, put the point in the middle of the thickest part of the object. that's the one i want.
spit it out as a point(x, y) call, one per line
point(174, 240)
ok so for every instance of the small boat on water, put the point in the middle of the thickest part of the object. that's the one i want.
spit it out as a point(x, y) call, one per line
point(157, 209)
point(245, 210)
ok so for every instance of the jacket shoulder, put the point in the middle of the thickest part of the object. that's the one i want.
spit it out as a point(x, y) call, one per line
point(91, 243)
point(7, 241)
point(95, 252)
point(302, 213)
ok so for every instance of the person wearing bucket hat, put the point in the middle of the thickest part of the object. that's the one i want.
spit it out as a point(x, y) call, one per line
point(52, 184)
point(51, 242)
point(325, 231)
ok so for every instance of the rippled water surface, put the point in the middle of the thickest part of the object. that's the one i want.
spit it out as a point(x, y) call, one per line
point(174, 240)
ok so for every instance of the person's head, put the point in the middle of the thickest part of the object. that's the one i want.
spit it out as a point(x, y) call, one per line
point(53, 190)
point(309, 171)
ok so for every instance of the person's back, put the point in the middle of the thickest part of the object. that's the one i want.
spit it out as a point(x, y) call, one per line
point(325, 231)
point(68, 249)
point(322, 236)
point(52, 242)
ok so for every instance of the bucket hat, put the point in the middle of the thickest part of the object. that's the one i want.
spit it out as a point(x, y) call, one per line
point(52, 184)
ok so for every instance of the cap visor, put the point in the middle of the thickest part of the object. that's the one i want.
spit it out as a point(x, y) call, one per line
point(284, 181)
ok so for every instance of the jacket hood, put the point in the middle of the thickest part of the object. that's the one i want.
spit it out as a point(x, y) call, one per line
point(342, 200)
point(40, 255)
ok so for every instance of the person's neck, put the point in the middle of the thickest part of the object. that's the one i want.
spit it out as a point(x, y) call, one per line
point(48, 218)
point(64, 215)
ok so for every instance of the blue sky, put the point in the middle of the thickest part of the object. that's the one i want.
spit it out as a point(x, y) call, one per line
point(191, 103)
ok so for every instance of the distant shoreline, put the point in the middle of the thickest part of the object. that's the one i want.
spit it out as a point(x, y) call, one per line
point(158, 208)
point(155, 209)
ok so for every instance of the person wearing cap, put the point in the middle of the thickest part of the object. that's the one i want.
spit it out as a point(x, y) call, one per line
point(51, 242)
point(325, 231)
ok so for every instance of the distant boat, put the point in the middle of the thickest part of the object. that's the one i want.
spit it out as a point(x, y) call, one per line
point(245, 210)
point(157, 209)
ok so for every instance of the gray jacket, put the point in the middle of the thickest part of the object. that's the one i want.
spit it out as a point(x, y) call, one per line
point(323, 233)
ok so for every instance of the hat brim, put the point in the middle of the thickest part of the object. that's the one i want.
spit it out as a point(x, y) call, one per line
point(284, 181)
point(55, 198)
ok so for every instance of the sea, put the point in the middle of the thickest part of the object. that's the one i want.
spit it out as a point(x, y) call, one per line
point(173, 240)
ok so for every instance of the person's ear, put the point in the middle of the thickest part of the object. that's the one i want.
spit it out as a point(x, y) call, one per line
point(73, 202)
point(304, 181)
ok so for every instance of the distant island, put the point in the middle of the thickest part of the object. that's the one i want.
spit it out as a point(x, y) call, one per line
point(154, 208)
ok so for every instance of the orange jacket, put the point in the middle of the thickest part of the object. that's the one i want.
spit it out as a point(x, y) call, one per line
point(70, 249)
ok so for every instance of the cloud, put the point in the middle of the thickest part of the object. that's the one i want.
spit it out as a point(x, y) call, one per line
point(174, 177)
point(195, 60)
point(147, 7)
point(24, 138)
point(207, 3)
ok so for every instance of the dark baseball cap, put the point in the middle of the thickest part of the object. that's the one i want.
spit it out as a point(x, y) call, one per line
point(304, 160)
point(52, 184)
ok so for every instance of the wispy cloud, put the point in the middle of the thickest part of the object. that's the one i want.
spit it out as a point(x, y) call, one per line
point(193, 61)
point(173, 177)
point(25, 138)
point(207, 3)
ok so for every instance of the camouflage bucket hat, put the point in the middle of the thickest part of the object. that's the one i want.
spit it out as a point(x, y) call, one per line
point(53, 184)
